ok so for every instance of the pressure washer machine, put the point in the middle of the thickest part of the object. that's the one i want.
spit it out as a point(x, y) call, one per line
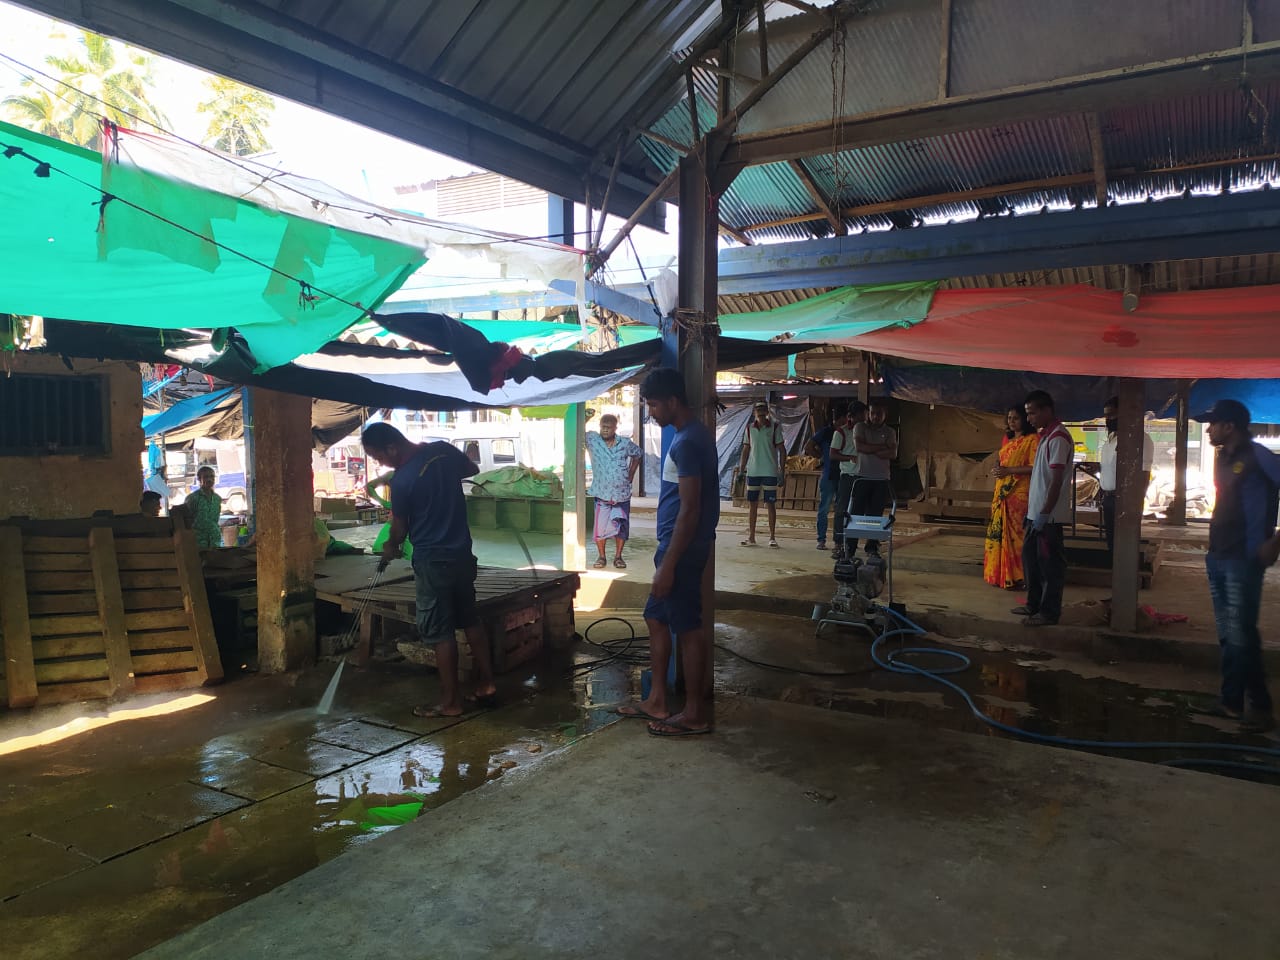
point(860, 580)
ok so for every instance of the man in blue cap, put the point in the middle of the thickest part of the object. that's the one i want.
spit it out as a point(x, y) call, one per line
point(1242, 544)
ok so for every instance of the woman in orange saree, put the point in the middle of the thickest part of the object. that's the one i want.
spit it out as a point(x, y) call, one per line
point(1002, 551)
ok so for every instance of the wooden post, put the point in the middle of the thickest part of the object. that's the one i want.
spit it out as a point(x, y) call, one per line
point(1176, 513)
point(864, 377)
point(286, 534)
point(15, 621)
point(574, 514)
point(1129, 495)
point(106, 583)
point(698, 329)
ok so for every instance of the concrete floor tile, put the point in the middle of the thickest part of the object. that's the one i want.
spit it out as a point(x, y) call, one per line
point(313, 757)
point(253, 779)
point(31, 862)
point(184, 805)
point(107, 832)
point(366, 737)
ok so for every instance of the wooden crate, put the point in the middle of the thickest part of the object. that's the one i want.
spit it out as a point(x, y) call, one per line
point(800, 490)
point(100, 608)
point(946, 504)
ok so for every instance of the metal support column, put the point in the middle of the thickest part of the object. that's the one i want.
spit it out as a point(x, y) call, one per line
point(560, 226)
point(574, 515)
point(1129, 495)
point(1176, 513)
point(250, 466)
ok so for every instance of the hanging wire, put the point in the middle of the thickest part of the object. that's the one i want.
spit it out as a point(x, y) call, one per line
point(544, 242)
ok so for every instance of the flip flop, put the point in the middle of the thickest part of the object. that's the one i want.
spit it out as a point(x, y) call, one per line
point(633, 711)
point(676, 730)
point(748, 543)
point(433, 713)
point(620, 563)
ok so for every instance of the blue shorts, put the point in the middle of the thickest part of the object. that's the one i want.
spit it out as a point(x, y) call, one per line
point(446, 597)
point(762, 485)
point(681, 609)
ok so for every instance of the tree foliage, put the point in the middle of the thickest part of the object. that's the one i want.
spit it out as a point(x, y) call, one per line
point(238, 117)
point(96, 78)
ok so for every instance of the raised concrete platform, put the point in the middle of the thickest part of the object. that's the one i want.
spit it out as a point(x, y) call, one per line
point(795, 832)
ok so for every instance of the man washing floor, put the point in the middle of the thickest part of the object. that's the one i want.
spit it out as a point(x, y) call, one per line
point(428, 507)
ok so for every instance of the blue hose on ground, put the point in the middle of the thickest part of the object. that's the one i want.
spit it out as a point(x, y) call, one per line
point(894, 663)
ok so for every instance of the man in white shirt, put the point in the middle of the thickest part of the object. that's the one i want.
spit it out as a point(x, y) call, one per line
point(764, 463)
point(844, 457)
point(1044, 558)
point(1107, 475)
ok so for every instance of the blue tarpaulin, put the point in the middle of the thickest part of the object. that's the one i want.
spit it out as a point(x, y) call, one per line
point(187, 411)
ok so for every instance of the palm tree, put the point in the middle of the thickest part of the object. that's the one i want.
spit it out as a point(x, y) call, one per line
point(97, 79)
point(239, 116)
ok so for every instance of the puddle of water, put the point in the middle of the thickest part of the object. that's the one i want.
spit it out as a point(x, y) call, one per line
point(1026, 690)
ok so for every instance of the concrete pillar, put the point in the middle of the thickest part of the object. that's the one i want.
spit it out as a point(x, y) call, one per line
point(1129, 494)
point(1176, 513)
point(697, 327)
point(285, 512)
point(574, 513)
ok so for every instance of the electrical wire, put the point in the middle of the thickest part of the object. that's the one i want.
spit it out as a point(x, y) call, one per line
point(543, 242)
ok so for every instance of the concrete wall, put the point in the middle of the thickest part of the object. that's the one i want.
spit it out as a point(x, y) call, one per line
point(55, 487)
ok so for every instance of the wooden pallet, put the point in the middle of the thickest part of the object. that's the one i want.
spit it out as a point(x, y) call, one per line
point(100, 608)
point(945, 504)
point(522, 616)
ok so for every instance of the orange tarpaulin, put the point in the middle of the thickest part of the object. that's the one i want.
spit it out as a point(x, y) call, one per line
point(1232, 333)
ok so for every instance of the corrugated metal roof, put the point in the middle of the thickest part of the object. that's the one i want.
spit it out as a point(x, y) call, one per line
point(593, 62)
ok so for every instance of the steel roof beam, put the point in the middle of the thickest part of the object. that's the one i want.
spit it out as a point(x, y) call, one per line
point(259, 47)
point(1145, 83)
point(1182, 229)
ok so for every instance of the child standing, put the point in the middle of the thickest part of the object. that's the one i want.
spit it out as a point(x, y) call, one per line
point(205, 508)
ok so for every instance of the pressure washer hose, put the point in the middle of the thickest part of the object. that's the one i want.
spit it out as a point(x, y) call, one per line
point(894, 663)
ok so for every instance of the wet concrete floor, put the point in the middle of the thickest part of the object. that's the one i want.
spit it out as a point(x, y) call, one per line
point(156, 823)
point(123, 836)
point(796, 833)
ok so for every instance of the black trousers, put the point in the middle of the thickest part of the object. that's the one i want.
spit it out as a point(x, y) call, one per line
point(869, 499)
point(1044, 566)
point(843, 492)
point(1108, 504)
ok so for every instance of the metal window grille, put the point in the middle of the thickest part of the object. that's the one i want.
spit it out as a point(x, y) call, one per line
point(42, 415)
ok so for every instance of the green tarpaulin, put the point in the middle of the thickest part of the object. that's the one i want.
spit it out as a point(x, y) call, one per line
point(835, 315)
point(61, 260)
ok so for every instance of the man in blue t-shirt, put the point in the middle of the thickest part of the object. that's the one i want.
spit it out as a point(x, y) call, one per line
point(428, 507)
point(688, 511)
point(1242, 544)
point(829, 479)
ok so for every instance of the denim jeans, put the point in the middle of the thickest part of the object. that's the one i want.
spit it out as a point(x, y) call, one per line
point(826, 493)
point(1044, 565)
point(1235, 584)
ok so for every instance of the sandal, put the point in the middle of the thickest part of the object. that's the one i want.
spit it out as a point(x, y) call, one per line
point(434, 713)
point(620, 563)
point(774, 543)
point(599, 564)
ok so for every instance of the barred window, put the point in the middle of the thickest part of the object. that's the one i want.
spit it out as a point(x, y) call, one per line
point(41, 415)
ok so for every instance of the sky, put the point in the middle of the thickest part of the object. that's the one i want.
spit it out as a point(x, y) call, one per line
point(360, 161)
